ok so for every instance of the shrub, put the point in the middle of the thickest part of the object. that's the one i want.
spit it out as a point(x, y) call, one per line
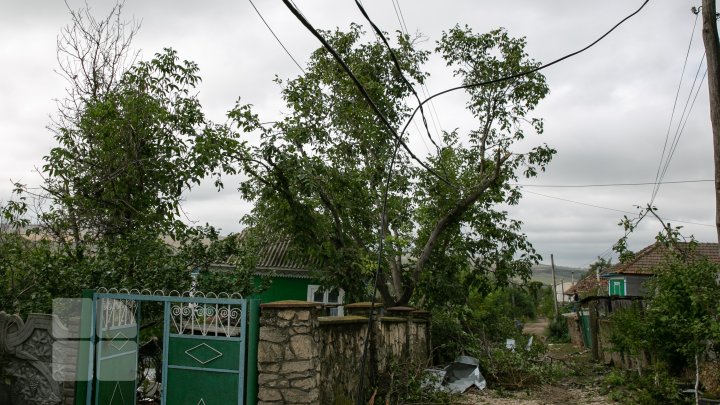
point(628, 387)
point(520, 368)
point(558, 330)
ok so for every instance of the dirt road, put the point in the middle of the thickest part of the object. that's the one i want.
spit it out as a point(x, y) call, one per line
point(546, 395)
point(537, 327)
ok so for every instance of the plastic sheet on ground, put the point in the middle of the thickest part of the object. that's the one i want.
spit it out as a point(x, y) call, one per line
point(457, 377)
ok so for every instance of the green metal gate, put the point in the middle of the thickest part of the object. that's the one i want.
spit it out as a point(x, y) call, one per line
point(116, 354)
point(585, 324)
point(205, 348)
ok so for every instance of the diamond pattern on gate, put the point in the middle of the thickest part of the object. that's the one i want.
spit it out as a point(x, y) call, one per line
point(203, 353)
point(123, 341)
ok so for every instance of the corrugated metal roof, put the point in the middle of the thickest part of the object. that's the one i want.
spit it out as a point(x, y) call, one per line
point(278, 256)
point(647, 259)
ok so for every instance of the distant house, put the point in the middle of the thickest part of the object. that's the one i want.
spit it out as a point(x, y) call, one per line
point(627, 279)
point(590, 285)
point(562, 291)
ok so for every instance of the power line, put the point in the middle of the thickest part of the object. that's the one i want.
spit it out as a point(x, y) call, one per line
point(610, 209)
point(384, 120)
point(527, 72)
point(363, 92)
point(276, 37)
point(434, 116)
point(579, 203)
point(395, 60)
point(681, 127)
point(398, 13)
point(609, 184)
point(672, 114)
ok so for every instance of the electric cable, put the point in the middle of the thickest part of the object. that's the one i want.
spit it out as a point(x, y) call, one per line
point(672, 114)
point(679, 131)
point(276, 37)
point(381, 244)
point(675, 139)
point(609, 184)
point(395, 60)
point(434, 116)
point(400, 17)
point(527, 72)
point(364, 92)
point(610, 209)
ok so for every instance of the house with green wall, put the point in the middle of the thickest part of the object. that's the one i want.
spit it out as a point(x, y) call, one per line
point(628, 279)
point(288, 278)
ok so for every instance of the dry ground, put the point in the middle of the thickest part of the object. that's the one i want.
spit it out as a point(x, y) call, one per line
point(536, 328)
point(552, 394)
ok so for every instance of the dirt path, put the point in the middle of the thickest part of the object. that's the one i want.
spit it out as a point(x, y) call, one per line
point(537, 327)
point(546, 395)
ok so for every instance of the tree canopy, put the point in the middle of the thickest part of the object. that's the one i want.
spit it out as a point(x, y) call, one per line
point(132, 139)
point(318, 175)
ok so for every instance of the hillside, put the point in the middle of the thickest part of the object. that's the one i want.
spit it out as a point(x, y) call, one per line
point(543, 273)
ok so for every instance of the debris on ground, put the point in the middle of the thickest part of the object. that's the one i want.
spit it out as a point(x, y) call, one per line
point(457, 377)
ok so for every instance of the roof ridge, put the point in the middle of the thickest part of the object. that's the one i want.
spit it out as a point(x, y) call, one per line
point(636, 257)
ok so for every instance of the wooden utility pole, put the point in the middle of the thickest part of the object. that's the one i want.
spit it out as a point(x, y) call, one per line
point(712, 55)
point(552, 263)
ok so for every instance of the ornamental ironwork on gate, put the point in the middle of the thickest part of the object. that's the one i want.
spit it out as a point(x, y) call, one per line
point(204, 348)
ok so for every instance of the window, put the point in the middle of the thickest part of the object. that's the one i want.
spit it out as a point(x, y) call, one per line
point(327, 297)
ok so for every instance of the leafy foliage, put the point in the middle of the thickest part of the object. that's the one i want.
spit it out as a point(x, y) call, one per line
point(131, 140)
point(626, 387)
point(519, 368)
point(558, 330)
point(484, 320)
point(407, 383)
point(681, 319)
point(318, 175)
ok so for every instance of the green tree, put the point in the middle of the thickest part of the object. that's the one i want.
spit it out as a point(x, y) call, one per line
point(681, 321)
point(318, 174)
point(132, 139)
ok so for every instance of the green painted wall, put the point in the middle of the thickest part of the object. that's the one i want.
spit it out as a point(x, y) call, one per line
point(283, 288)
point(616, 286)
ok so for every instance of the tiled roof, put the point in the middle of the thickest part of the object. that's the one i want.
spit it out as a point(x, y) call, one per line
point(589, 284)
point(647, 259)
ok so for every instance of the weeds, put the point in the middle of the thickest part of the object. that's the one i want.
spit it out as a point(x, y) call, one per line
point(627, 387)
point(520, 368)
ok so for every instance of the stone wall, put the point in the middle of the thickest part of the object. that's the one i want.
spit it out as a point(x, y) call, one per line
point(289, 353)
point(28, 375)
point(305, 358)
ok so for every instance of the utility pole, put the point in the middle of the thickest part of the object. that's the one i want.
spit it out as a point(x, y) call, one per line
point(552, 263)
point(712, 53)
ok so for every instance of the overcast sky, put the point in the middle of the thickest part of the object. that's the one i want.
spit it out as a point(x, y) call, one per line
point(607, 113)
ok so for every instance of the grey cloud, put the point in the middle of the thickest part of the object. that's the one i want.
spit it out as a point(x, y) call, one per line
point(607, 112)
